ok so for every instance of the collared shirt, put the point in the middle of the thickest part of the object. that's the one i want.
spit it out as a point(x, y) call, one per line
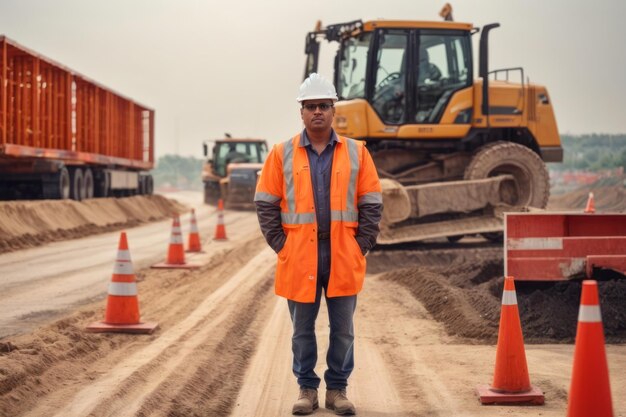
point(369, 214)
point(320, 167)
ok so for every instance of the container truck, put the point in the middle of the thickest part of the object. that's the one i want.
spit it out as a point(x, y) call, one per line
point(63, 135)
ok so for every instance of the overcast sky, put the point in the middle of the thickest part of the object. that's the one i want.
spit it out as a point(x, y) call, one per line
point(235, 66)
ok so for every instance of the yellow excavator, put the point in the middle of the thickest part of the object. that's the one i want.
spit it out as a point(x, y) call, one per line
point(453, 151)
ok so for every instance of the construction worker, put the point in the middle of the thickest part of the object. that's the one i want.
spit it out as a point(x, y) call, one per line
point(319, 203)
point(427, 71)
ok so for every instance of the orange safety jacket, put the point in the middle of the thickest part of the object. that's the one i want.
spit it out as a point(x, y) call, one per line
point(286, 178)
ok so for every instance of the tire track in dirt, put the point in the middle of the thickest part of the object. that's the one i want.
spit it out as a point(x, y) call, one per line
point(270, 387)
point(398, 338)
point(267, 379)
point(42, 370)
point(111, 393)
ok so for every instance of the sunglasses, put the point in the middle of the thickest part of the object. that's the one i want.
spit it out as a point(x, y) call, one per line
point(322, 106)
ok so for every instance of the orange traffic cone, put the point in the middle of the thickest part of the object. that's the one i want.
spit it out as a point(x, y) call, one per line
point(591, 205)
point(511, 383)
point(220, 229)
point(175, 250)
point(194, 236)
point(590, 392)
point(122, 310)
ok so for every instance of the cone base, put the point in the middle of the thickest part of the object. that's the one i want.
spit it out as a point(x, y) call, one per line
point(102, 327)
point(532, 397)
point(165, 265)
point(220, 238)
point(194, 251)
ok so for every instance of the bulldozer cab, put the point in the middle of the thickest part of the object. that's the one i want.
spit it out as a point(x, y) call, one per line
point(406, 72)
point(227, 151)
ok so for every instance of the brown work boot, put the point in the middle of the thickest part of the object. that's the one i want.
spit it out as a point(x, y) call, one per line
point(307, 402)
point(336, 400)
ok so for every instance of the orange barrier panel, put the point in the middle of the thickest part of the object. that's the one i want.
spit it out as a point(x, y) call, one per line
point(559, 246)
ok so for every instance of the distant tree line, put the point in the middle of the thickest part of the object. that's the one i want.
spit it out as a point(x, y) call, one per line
point(592, 152)
point(178, 171)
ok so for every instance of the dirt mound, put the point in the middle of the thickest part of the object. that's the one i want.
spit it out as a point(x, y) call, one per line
point(462, 288)
point(57, 359)
point(25, 224)
point(608, 196)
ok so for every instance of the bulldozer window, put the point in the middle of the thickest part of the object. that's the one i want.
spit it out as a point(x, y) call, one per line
point(444, 66)
point(389, 99)
point(235, 152)
point(352, 66)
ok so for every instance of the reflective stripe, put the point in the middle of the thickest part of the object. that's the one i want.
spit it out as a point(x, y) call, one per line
point(123, 267)
point(123, 288)
point(509, 298)
point(371, 198)
point(220, 219)
point(288, 174)
point(297, 218)
point(535, 243)
point(344, 216)
point(270, 198)
point(123, 255)
point(194, 227)
point(177, 237)
point(348, 215)
point(589, 314)
point(353, 151)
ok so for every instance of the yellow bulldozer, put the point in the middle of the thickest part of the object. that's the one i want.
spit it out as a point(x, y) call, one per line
point(453, 151)
point(230, 170)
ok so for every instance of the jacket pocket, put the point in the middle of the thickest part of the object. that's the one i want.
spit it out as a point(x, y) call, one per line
point(351, 231)
point(290, 231)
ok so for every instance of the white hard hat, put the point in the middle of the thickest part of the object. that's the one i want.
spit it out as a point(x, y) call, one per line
point(316, 87)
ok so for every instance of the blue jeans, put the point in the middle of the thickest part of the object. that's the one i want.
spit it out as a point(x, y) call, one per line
point(340, 355)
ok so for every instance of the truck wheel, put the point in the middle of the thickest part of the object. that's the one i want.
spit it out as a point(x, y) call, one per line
point(532, 182)
point(148, 185)
point(101, 184)
point(57, 186)
point(77, 188)
point(454, 239)
point(211, 193)
point(88, 183)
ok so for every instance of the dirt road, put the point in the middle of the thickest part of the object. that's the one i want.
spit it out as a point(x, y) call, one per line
point(44, 282)
point(222, 347)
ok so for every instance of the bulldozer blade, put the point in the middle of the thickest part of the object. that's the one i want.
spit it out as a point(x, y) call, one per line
point(416, 201)
point(440, 229)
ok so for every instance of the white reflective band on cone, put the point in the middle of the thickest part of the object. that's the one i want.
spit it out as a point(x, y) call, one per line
point(220, 218)
point(123, 255)
point(123, 288)
point(176, 238)
point(123, 268)
point(589, 314)
point(509, 298)
point(194, 228)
